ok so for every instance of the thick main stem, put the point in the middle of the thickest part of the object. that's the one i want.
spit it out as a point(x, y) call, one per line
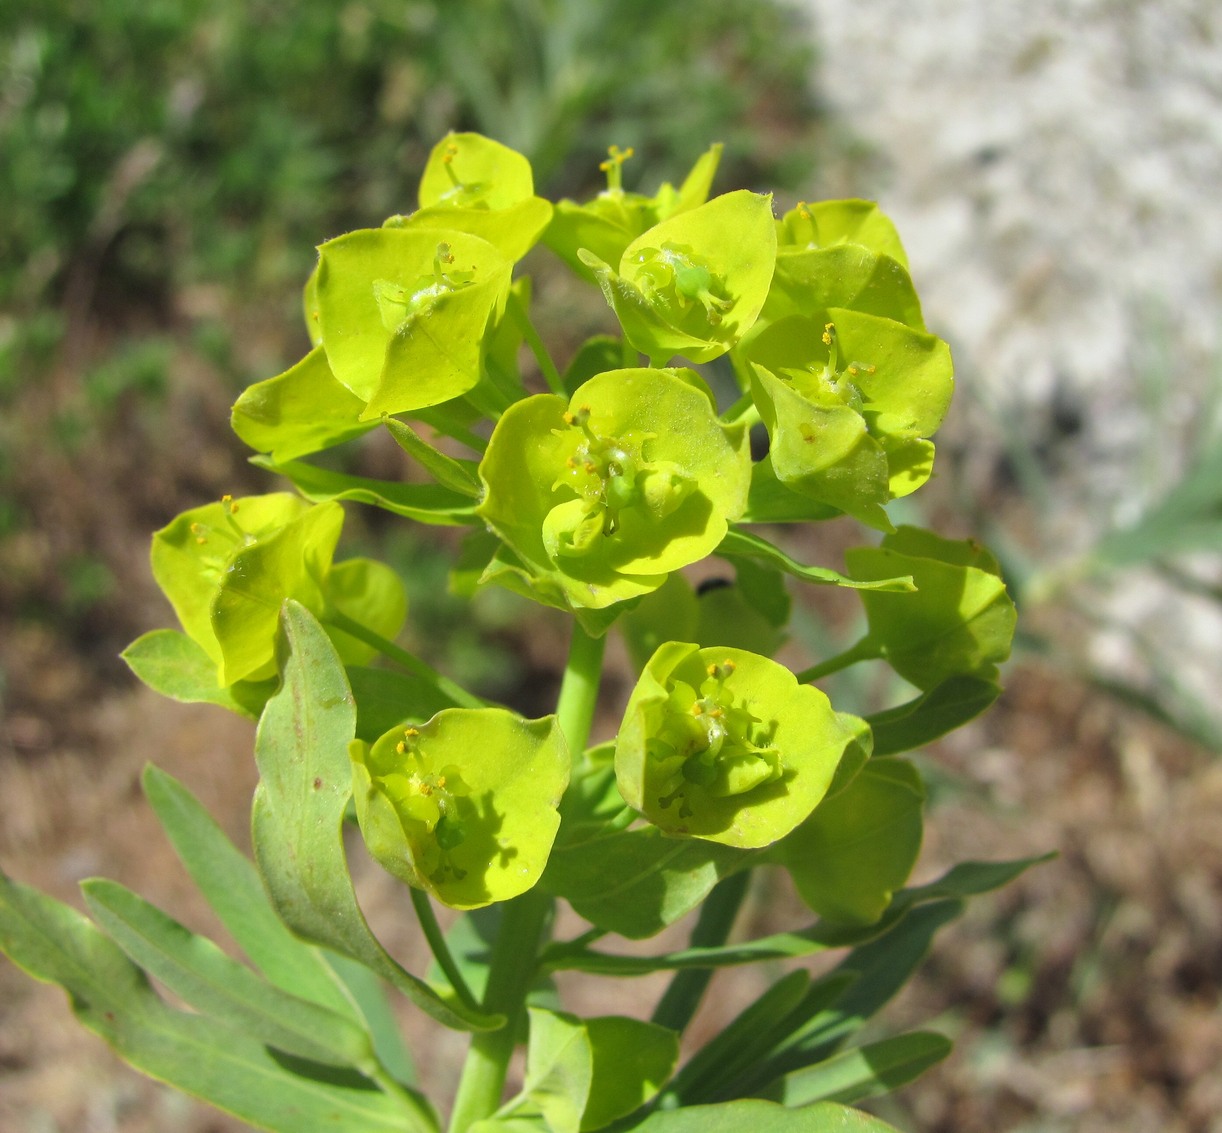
point(526, 920)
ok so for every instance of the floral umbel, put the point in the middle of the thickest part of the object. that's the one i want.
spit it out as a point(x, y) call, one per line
point(750, 372)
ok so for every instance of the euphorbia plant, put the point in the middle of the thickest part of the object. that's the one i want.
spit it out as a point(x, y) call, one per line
point(590, 495)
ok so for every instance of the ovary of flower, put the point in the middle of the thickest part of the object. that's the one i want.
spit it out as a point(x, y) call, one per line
point(677, 274)
point(399, 306)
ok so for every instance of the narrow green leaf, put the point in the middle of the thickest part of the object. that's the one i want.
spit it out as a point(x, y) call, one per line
point(198, 1055)
point(171, 663)
point(305, 783)
point(369, 994)
point(942, 709)
point(425, 503)
point(200, 974)
point(964, 880)
point(762, 1117)
point(457, 475)
point(231, 885)
point(747, 1036)
point(862, 1072)
point(743, 543)
point(882, 966)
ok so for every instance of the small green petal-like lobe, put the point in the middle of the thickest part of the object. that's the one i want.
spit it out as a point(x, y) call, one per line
point(601, 497)
point(849, 404)
point(464, 806)
point(227, 568)
point(404, 313)
point(960, 620)
point(694, 284)
point(840, 254)
point(824, 224)
point(299, 412)
point(370, 593)
point(725, 745)
point(471, 171)
point(606, 225)
point(475, 185)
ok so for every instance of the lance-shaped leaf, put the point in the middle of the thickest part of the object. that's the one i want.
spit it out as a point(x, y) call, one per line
point(694, 284)
point(632, 1061)
point(859, 845)
point(301, 411)
point(457, 475)
point(200, 974)
point(726, 745)
point(297, 819)
point(744, 544)
point(762, 1117)
point(959, 621)
point(465, 805)
point(942, 709)
point(227, 567)
point(964, 880)
point(210, 1060)
point(403, 313)
point(610, 222)
point(425, 503)
point(862, 1072)
point(601, 497)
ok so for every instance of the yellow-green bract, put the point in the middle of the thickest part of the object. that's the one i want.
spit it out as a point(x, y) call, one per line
point(227, 568)
point(601, 497)
point(724, 744)
point(465, 805)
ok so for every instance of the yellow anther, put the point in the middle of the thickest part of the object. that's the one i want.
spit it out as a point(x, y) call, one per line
point(697, 709)
point(401, 748)
point(200, 540)
point(716, 713)
point(853, 370)
point(441, 782)
point(196, 528)
point(590, 467)
point(804, 210)
point(227, 498)
point(827, 333)
point(411, 733)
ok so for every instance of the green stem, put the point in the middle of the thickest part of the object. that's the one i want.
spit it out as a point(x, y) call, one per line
point(526, 919)
point(411, 663)
point(744, 410)
point(717, 915)
point(579, 689)
point(440, 949)
point(547, 367)
point(865, 650)
point(523, 927)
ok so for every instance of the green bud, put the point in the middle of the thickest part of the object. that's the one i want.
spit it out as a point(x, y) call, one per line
point(601, 497)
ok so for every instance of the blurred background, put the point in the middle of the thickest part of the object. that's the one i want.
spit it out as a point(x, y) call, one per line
point(166, 169)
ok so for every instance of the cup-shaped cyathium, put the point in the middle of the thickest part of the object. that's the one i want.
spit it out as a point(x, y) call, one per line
point(726, 745)
point(227, 568)
point(694, 284)
point(600, 497)
point(850, 401)
point(464, 806)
